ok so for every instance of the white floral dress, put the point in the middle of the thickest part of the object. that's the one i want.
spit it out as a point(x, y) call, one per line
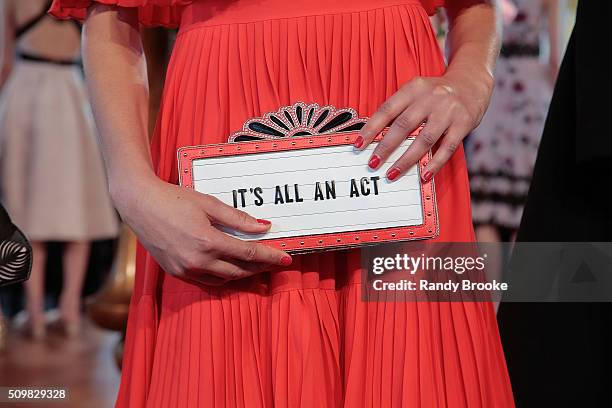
point(502, 150)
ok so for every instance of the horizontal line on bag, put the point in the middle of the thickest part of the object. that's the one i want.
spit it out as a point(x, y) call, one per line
point(334, 226)
point(344, 211)
point(292, 171)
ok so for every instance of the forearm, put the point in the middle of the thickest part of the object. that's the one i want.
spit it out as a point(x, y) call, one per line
point(552, 8)
point(190, 245)
point(6, 65)
point(115, 69)
point(8, 41)
point(474, 42)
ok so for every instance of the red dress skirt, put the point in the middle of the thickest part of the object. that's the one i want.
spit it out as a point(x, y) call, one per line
point(299, 337)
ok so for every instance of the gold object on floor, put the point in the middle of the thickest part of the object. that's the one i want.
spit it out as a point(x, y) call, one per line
point(109, 307)
point(3, 333)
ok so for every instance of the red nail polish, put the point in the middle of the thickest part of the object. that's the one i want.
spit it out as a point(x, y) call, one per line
point(358, 142)
point(264, 222)
point(286, 261)
point(427, 176)
point(374, 161)
point(393, 173)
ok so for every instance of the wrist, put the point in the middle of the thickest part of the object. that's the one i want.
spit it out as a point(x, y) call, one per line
point(474, 86)
point(479, 80)
point(127, 191)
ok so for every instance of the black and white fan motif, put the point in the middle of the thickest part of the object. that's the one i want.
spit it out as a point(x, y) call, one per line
point(14, 262)
point(299, 119)
point(15, 252)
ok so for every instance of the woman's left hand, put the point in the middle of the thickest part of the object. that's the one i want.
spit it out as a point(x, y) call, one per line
point(452, 105)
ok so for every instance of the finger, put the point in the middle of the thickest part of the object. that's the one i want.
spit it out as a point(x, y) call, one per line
point(234, 248)
point(233, 218)
point(448, 146)
point(388, 111)
point(402, 126)
point(423, 142)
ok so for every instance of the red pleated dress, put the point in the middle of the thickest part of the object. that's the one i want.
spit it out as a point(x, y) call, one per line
point(300, 337)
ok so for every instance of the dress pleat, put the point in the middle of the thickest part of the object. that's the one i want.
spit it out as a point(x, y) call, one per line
point(301, 336)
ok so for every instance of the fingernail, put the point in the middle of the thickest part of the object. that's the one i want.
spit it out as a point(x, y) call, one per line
point(427, 176)
point(358, 142)
point(286, 261)
point(264, 222)
point(393, 173)
point(374, 161)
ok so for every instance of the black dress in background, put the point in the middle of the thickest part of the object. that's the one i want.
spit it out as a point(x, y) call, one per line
point(559, 354)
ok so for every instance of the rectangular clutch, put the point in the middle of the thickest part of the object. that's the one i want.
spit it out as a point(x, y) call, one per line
point(317, 191)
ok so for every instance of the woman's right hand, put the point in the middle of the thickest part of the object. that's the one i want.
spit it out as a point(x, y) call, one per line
point(176, 225)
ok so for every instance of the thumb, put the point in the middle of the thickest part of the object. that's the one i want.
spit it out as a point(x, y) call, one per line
point(235, 219)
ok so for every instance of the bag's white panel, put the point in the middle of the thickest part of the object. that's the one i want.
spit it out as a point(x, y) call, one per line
point(378, 204)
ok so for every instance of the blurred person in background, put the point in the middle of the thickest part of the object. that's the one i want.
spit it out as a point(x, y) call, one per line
point(51, 174)
point(502, 150)
point(559, 354)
